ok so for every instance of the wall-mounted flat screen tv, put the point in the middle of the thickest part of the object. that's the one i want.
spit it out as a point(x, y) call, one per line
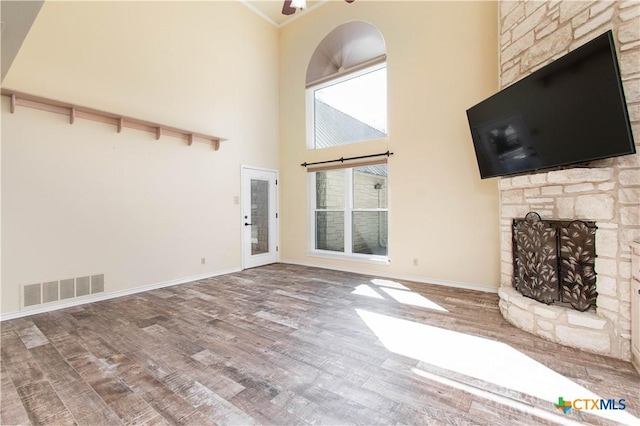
point(570, 112)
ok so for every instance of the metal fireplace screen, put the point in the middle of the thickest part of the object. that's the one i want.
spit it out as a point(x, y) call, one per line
point(553, 260)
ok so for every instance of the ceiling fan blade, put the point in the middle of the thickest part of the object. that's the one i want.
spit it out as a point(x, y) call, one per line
point(287, 9)
point(349, 1)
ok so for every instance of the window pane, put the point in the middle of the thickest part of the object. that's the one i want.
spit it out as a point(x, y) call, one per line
point(259, 216)
point(330, 231)
point(370, 187)
point(330, 189)
point(353, 110)
point(370, 233)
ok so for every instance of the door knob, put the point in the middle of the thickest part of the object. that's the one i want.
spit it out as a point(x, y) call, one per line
point(247, 224)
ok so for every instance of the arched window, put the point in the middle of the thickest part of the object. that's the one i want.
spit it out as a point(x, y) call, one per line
point(347, 87)
point(347, 103)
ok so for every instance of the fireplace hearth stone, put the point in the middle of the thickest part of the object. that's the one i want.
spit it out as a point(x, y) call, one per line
point(557, 323)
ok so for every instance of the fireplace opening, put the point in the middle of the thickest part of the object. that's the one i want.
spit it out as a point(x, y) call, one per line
point(553, 261)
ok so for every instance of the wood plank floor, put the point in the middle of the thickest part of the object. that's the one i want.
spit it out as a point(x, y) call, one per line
point(292, 345)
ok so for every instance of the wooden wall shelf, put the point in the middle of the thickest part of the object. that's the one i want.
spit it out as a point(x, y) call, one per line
point(119, 121)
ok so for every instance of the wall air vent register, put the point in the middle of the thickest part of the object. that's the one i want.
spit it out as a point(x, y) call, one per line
point(54, 291)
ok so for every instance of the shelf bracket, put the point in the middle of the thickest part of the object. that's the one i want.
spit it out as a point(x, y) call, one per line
point(72, 115)
point(158, 133)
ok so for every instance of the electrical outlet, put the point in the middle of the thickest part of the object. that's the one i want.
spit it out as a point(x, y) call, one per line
point(203, 261)
point(415, 261)
point(236, 200)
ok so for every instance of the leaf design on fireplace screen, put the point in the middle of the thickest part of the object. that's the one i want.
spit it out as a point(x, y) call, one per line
point(535, 259)
point(554, 260)
point(577, 275)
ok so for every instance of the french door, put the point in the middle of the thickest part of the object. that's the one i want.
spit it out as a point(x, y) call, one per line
point(259, 217)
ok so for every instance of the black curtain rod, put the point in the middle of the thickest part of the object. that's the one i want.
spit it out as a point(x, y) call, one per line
point(342, 159)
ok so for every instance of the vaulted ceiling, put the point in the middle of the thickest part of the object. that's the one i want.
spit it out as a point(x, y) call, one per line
point(18, 16)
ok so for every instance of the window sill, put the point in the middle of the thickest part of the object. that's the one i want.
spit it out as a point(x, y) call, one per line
point(363, 258)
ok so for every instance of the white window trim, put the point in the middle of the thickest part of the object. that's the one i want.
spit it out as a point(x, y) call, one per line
point(348, 254)
point(310, 101)
point(363, 258)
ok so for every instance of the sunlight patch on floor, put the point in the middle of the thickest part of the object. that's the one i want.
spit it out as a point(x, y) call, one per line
point(484, 359)
point(389, 283)
point(411, 298)
point(512, 403)
point(397, 292)
point(365, 290)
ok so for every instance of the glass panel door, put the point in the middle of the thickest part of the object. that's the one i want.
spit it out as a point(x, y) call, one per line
point(259, 217)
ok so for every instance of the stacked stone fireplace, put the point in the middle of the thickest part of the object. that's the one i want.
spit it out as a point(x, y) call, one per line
point(607, 192)
point(565, 195)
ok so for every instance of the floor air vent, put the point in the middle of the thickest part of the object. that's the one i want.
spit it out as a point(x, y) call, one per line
point(53, 291)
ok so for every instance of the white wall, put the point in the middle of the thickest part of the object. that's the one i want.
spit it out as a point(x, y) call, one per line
point(82, 199)
point(442, 59)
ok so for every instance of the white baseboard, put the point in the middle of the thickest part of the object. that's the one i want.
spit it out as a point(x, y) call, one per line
point(54, 306)
point(413, 278)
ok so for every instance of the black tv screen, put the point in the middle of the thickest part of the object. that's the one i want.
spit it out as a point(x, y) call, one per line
point(571, 111)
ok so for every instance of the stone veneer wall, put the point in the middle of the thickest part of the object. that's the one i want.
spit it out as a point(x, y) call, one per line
point(532, 34)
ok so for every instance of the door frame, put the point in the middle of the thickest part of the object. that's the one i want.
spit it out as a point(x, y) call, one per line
point(274, 220)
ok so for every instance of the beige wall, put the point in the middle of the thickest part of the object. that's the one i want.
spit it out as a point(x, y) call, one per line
point(441, 61)
point(83, 199)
